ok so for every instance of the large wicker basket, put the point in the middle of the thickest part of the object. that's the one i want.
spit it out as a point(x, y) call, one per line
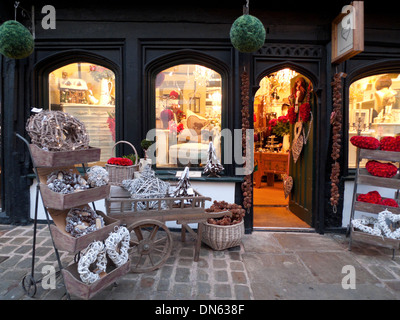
point(222, 237)
point(117, 173)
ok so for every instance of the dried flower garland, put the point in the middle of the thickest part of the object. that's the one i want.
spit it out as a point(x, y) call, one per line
point(379, 169)
point(336, 121)
point(120, 161)
point(63, 181)
point(390, 143)
point(82, 221)
point(247, 183)
point(370, 143)
point(57, 131)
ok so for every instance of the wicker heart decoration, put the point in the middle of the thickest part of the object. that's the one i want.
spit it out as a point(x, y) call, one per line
point(287, 185)
point(387, 220)
point(298, 141)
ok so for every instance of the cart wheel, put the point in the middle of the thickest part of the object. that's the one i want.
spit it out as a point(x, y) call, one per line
point(29, 285)
point(151, 245)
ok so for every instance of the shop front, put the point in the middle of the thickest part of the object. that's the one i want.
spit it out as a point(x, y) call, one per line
point(133, 73)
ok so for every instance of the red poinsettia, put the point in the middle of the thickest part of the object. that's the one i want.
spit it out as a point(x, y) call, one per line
point(365, 142)
point(120, 161)
point(305, 112)
point(379, 169)
point(292, 115)
point(390, 143)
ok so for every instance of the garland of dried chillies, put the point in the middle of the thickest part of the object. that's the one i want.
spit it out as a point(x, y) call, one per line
point(336, 122)
point(247, 183)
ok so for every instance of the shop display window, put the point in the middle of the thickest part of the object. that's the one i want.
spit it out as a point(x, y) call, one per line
point(188, 115)
point(87, 92)
point(374, 109)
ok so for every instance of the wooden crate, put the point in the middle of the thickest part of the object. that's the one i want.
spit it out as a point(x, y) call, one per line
point(44, 158)
point(64, 241)
point(364, 237)
point(61, 201)
point(76, 287)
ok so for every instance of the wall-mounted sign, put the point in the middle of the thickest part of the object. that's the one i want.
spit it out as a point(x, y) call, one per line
point(348, 32)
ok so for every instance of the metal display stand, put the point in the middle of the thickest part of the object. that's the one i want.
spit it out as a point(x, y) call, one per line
point(29, 283)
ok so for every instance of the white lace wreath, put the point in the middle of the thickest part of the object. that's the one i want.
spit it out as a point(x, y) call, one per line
point(119, 236)
point(95, 253)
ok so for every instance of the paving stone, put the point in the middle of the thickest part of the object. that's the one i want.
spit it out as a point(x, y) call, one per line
point(242, 292)
point(238, 277)
point(219, 264)
point(222, 290)
point(182, 275)
point(221, 275)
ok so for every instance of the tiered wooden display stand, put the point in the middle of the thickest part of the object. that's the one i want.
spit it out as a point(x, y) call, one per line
point(363, 177)
point(58, 206)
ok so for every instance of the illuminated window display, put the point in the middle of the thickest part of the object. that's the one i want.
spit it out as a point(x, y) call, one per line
point(374, 108)
point(188, 115)
point(87, 92)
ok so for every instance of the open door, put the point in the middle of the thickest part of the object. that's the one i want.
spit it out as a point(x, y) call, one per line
point(301, 166)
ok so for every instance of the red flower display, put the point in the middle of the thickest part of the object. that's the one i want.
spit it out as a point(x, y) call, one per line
point(370, 197)
point(305, 112)
point(120, 161)
point(390, 143)
point(379, 169)
point(273, 122)
point(375, 198)
point(292, 115)
point(389, 203)
point(365, 142)
point(283, 119)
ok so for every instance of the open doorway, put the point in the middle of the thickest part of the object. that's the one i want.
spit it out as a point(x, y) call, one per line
point(273, 137)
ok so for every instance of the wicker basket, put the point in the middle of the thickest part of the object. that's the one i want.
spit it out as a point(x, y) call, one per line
point(222, 237)
point(117, 173)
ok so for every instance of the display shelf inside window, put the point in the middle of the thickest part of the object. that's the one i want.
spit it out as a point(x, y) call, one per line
point(87, 92)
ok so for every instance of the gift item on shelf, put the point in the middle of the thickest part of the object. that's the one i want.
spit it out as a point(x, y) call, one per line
point(57, 131)
point(365, 142)
point(82, 221)
point(213, 166)
point(390, 143)
point(97, 176)
point(184, 187)
point(379, 169)
point(63, 181)
point(375, 198)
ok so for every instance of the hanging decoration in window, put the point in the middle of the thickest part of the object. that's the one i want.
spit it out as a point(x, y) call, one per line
point(247, 32)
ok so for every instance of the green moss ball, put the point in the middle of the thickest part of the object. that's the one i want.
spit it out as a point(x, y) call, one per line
point(16, 42)
point(247, 33)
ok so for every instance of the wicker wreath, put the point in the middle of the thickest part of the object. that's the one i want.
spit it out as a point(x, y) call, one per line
point(95, 253)
point(57, 131)
point(117, 246)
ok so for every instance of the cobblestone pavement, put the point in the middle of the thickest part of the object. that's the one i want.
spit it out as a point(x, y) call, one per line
point(267, 265)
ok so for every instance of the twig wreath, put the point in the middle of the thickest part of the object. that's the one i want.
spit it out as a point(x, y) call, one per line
point(57, 131)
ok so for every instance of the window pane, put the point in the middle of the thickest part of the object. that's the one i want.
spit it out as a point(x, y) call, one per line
point(188, 115)
point(374, 109)
point(87, 92)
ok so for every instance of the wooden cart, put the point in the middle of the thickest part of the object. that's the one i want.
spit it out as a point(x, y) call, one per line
point(151, 240)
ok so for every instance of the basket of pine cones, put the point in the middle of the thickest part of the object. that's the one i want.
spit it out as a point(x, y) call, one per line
point(225, 232)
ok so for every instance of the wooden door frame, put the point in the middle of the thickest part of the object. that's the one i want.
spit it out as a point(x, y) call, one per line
point(309, 60)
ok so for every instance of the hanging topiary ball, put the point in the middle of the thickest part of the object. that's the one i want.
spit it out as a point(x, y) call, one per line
point(247, 33)
point(16, 42)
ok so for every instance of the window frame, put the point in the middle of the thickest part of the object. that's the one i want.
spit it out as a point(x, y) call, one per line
point(187, 57)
